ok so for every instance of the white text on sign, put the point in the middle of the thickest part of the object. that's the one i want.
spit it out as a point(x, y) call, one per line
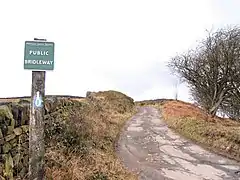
point(39, 62)
point(38, 53)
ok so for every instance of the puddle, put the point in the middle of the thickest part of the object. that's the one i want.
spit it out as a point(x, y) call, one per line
point(203, 170)
point(161, 140)
point(168, 159)
point(180, 175)
point(170, 150)
point(232, 167)
point(135, 129)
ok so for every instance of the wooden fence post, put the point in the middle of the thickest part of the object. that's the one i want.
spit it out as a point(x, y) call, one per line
point(36, 128)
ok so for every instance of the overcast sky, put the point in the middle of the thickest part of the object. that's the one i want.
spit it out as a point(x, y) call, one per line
point(102, 45)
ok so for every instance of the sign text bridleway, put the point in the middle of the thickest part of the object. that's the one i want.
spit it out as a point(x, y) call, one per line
point(39, 55)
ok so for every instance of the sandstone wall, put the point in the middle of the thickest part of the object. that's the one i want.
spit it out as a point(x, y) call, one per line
point(14, 129)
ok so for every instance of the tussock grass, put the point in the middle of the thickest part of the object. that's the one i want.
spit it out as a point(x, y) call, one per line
point(220, 135)
point(81, 138)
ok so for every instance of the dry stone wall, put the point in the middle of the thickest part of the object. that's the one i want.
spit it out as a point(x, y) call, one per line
point(14, 120)
point(14, 129)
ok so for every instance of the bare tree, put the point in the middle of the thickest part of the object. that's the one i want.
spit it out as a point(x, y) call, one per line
point(211, 70)
point(231, 105)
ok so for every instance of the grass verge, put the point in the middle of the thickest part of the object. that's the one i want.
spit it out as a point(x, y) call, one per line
point(81, 138)
point(220, 135)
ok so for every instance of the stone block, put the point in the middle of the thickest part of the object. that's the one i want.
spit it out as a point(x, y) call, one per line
point(10, 137)
point(14, 151)
point(6, 147)
point(25, 115)
point(16, 159)
point(24, 102)
point(1, 134)
point(25, 128)
point(23, 138)
point(5, 112)
point(1, 158)
point(20, 114)
point(7, 122)
point(15, 112)
point(13, 142)
point(18, 131)
point(26, 160)
point(8, 166)
point(12, 122)
point(4, 129)
point(2, 141)
point(25, 145)
point(19, 166)
point(10, 130)
point(23, 172)
point(24, 151)
point(1, 170)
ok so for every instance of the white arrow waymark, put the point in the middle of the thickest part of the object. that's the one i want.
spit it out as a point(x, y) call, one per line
point(38, 100)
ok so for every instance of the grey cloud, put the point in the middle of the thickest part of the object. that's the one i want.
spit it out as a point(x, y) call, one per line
point(136, 82)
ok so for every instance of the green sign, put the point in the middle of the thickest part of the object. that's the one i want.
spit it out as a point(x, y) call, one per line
point(39, 55)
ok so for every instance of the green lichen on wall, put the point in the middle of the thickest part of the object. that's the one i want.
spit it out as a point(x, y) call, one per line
point(5, 112)
point(14, 119)
point(14, 137)
point(8, 169)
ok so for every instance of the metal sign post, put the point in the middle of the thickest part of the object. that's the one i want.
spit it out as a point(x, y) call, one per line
point(39, 55)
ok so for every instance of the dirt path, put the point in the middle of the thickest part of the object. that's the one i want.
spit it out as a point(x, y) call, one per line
point(148, 147)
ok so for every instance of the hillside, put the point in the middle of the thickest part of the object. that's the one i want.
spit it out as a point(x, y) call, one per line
point(81, 134)
point(220, 135)
point(80, 137)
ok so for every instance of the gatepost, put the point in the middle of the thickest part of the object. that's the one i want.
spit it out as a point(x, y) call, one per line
point(38, 57)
